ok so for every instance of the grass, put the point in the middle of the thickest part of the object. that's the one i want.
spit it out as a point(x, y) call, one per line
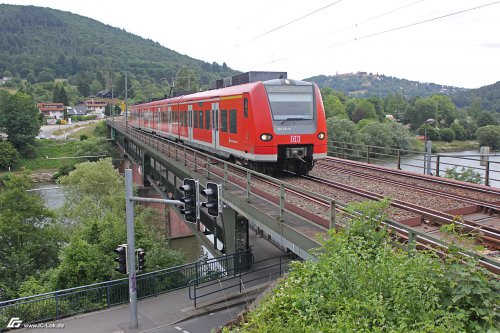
point(51, 149)
point(54, 149)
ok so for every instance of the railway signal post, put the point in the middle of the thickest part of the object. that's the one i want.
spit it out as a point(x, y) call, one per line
point(130, 246)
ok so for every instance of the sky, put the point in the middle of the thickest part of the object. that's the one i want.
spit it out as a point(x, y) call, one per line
point(449, 42)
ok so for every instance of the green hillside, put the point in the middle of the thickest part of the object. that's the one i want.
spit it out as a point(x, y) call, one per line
point(42, 44)
point(487, 97)
point(364, 84)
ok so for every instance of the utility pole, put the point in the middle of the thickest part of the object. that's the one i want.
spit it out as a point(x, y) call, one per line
point(129, 205)
point(126, 103)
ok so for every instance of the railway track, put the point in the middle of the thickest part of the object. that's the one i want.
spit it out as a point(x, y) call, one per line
point(489, 235)
point(269, 189)
point(487, 207)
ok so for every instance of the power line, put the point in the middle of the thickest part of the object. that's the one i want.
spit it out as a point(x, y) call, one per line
point(428, 20)
point(384, 32)
point(291, 22)
point(355, 25)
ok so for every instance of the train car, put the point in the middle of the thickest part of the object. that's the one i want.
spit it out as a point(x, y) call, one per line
point(268, 126)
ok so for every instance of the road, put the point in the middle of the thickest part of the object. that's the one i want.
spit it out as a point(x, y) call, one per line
point(46, 131)
point(202, 324)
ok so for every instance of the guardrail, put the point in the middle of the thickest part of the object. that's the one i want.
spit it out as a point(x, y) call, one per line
point(412, 160)
point(326, 217)
point(264, 271)
point(63, 303)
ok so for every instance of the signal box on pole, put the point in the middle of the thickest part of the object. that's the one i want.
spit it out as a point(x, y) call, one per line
point(213, 203)
point(121, 259)
point(191, 210)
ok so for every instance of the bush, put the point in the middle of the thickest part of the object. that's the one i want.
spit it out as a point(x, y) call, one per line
point(489, 136)
point(465, 175)
point(83, 137)
point(9, 156)
point(360, 283)
point(447, 134)
point(460, 132)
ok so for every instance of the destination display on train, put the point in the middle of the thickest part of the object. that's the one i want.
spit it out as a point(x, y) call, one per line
point(289, 89)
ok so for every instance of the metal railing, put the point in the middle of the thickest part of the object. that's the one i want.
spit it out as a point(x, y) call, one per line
point(411, 160)
point(99, 296)
point(265, 270)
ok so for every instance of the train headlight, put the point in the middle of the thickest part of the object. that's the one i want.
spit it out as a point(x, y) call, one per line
point(266, 137)
point(321, 135)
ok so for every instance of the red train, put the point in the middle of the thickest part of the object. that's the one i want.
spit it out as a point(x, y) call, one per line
point(267, 126)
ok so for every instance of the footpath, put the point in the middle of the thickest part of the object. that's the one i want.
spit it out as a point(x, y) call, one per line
point(167, 311)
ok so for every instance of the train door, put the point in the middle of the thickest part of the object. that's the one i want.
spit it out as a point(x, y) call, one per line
point(246, 134)
point(190, 122)
point(159, 119)
point(215, 125)
point(169, 120)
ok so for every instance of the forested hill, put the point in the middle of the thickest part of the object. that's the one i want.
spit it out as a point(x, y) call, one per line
point(40, 44)
point(487, 97)
point(362, 84)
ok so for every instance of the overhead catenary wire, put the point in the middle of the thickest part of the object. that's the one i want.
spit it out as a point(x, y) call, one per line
point(290, 22)
point(367, 36)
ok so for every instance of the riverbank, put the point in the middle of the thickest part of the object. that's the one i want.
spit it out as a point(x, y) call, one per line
point(456, 146)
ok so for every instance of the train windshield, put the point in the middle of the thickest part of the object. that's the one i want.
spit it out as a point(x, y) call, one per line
point(291, 102)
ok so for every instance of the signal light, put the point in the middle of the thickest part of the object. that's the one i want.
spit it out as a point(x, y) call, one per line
point(121, 259)
point(141, 259)
point(321, 136)
point(213, 204)
point(191, 210)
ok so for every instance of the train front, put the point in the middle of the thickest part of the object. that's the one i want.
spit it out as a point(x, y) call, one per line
point(299, 123)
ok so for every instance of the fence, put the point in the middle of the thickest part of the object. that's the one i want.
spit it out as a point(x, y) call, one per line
point(98, 296)
point(411, 160)
point(265, 269)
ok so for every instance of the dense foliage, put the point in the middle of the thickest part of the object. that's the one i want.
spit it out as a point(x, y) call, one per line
point(19, 119)
point(30, 237)
point(8, 155)
point(83, 234)
point(360, 283)
point(367, 84)
point(41, 44)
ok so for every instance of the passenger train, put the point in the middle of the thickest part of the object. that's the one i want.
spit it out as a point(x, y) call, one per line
point(268, 126)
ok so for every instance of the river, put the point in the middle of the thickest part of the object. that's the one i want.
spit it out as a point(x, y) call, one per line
point(53, 196)
point(461, 159)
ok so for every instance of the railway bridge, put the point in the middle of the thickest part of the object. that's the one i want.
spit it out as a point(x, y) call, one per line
point(271, 206)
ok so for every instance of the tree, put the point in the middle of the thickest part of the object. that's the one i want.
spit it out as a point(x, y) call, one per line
point(446, 110)
point(25, 228)
point(186, 80)
point(8, 155)
point(363, 110)
point(334, 107)
point(395, 105)
point(60, 95)
point(418, 111)
point(19, 120)
point(459, 130)
point(489, 136)
point(447, 134)
point(485, 118)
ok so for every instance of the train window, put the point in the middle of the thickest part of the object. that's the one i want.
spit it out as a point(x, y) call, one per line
point(245, 108)
point(195, 125)
point(291, 102)
point(207, 119)
point(200, 115)
point(232, 121)
point(223, 120)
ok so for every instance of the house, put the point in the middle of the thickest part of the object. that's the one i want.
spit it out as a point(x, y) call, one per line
point(105, 94)
point(79, 110)
point(4, 79)
point(95, 107)
point(52, 110)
